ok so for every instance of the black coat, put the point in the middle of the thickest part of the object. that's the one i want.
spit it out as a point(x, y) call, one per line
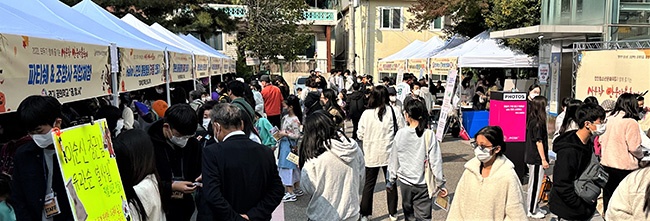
point(240, 177)
point(572, 158)
point(29, 185)
point(169, 159)
point(312, 103)
point(356, 104)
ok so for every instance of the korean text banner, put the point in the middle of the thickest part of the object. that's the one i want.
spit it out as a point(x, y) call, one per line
point(90, 172)
point(141, 69)
point(416, 65)
point(65, 70)
point(442, 66)
point(201, 67)
point(608, 74)
point(181, 67)
point(390, 66)
point(215, 66)
point(233, 66)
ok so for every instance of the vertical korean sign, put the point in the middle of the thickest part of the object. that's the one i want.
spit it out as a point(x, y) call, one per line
point(65, 70)
point(90, 172)
point(141, 69)
point(555, 82)
point(201, 66)
point(215, 66)
point(608, 74)
point(446, 104)
point(180, 67)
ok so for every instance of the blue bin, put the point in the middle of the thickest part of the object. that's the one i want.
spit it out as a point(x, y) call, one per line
point(475, 121)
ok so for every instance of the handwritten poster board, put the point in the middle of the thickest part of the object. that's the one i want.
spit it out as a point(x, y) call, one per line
point(215, 66)
point(141, 69)
point(391, 66)
point(417, 65)
point(65, 70)
point(201, 66)
point(608, 74)
point(180, 67)
point(90, 172)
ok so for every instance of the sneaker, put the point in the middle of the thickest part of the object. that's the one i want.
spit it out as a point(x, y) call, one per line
point(543, 211)
point(364, 218)
point(288, 197)
point(537, 215)
point(298, 193)
point(393, 217)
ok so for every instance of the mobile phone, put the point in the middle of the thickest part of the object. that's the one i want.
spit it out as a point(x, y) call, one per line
point(199, 184)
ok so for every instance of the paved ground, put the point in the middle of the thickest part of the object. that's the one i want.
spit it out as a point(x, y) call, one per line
point(455, 154)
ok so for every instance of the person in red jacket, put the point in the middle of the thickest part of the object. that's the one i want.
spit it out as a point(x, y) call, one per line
point(272, 101)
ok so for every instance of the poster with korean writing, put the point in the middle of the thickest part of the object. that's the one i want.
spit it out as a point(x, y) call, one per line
point(215, 66)
point(442, 66)
point(391, 66)
point(416, 65)
point(447, 107)
point(180, 67)
point(201, 66)
point(141, 69)
point(233, 66)
point(90, 172)
point(608, 74)
point(553, 100)
point(65, 70)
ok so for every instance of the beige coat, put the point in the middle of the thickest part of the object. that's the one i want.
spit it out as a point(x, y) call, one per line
point(377, 136)
point(497, 197)
point(628, 199)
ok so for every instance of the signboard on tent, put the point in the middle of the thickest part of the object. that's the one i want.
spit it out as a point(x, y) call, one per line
point(442, 66)
point(233, 66)
point(226, 65)
point(415, 66)
point(65, 70)
point(141, 69)
point(90, 172)
point(608, 74)
point(201, 66)
point(390, 66)
point(215, 66)
point(180, 67)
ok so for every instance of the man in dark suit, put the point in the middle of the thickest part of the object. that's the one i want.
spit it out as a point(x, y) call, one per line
point(37, 181)
point(240, 177)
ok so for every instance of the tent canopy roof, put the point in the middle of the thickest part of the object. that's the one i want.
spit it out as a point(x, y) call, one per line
point(482, 51)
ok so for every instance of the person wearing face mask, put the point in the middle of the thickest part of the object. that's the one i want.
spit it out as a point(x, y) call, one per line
point(489, 188)
point(621, 144)
point(536, 154)
point(533, 91)
point(37, 183)
point(397, 106)
point(574, 150)
point(328, 101)
point(178, 160)
point(240, 177)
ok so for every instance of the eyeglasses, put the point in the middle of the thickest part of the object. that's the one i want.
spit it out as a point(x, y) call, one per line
point(475, 145)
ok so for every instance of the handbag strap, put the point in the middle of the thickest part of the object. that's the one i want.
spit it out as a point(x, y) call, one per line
point(427, 143)
point(394, 120)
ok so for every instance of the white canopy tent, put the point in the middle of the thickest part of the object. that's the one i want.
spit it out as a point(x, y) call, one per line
point(484, 52)
point(428, 52)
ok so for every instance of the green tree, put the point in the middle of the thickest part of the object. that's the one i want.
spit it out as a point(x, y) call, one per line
point(471, 17)
point(176, 15)
point(272, 29)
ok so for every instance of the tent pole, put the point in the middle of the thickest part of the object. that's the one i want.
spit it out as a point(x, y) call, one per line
point(194, 71)
point(168, 77)
point(115, 69)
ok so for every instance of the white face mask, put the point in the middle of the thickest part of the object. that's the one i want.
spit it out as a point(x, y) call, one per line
point(533, 95)
point(179, 141)
point(206, 122)
point(600, 130)
point(392, 98)
point(416, 92)
point(159, 90)
point(119, 127)
point(43, 140)
point(482, 155)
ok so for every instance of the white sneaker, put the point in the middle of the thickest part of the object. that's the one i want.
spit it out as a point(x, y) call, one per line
point(393, 218)
point(288, 197)
point(298, 192)
point(364, 218)
point(537, 215)
point(543, 211)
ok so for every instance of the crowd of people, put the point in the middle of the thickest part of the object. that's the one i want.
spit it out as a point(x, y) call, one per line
point(238, 150)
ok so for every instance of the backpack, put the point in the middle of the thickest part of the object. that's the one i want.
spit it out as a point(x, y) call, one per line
point(591, 181)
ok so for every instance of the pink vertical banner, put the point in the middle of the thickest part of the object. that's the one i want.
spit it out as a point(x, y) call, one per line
point(508, 110)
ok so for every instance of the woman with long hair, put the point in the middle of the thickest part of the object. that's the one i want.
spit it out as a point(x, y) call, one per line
point(412, 146)
point(289, 135)
point(489, 188)
point(536, 156)
point(136, 162)
point(377, 128)
point(569, 122)
point(332, 170)
point(620, 144)
point(328, 100)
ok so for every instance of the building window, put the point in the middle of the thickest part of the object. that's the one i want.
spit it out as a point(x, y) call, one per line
point(391, 18)
point(438, 24)
point(216, 41)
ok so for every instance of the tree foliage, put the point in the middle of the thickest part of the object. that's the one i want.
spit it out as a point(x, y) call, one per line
point(272, 29)
point(471, 17)
point(176, 15)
